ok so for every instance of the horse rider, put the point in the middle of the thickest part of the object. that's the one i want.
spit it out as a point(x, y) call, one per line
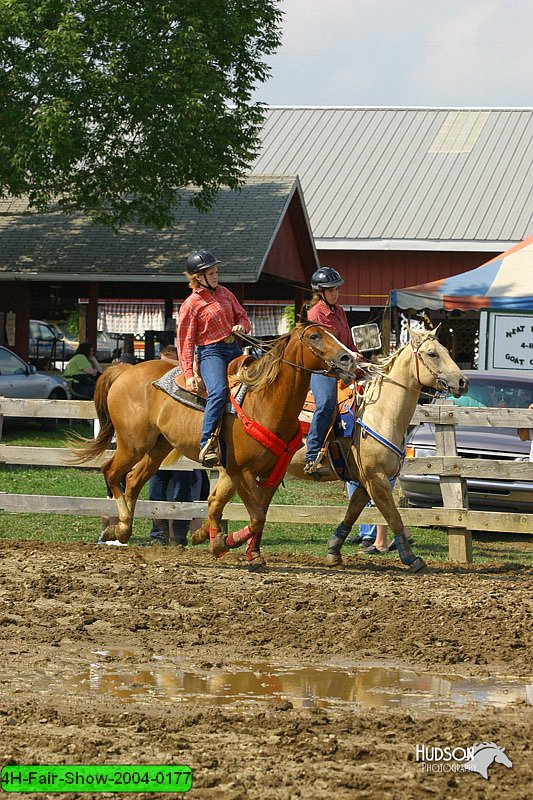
point(325, 310)
point(208, 320)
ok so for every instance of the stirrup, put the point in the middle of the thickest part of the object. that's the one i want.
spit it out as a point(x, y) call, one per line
point(314, 466)
point(210, 455)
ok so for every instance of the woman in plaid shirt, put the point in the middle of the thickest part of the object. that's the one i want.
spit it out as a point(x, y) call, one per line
point(325, 310)
point(208, 320)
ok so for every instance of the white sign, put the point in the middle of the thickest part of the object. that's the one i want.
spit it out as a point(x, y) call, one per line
point(506, 340)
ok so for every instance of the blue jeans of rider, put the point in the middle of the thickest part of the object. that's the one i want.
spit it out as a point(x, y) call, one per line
point(213, 360)
point(325, 393)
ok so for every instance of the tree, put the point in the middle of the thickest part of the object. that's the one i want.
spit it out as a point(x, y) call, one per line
point(110, 106)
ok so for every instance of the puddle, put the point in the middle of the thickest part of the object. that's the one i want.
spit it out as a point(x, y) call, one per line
point(118, 673)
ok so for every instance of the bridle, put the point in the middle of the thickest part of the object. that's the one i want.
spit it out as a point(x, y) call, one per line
point(331, 366)
point(419, 360)
point(300, 333)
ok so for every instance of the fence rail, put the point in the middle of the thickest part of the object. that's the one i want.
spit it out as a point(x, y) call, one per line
point(453, 471)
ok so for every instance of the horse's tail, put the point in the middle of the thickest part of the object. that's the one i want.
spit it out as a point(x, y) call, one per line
point(84, 449)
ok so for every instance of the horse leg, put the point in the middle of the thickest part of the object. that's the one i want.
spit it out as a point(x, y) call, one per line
point(256, 500)
point(358, 501)
point(120, 464)
point(380, 490)
point(219, 497)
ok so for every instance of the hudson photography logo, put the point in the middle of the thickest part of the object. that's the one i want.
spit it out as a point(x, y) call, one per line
point(477, 758)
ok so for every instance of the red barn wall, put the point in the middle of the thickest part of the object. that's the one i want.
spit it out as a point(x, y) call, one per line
point(371, 274)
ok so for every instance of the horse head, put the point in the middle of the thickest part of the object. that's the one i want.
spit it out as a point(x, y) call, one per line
point(485, 754)
point(434, 365)
point(323, 351)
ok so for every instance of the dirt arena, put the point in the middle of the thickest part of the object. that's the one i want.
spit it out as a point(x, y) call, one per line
point(95, 639)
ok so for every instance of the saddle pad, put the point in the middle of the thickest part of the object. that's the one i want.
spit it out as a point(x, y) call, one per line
point(168, 385)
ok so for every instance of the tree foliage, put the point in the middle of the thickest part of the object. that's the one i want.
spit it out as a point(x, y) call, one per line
point(110, 106)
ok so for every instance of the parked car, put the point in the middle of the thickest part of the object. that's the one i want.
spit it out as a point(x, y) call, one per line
point(46, 345)
point(493, 389)
point(104, 344)
point(19, 379)
point(63, 336)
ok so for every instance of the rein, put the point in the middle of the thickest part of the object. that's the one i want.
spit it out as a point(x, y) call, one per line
point(366, 430)
point(266, 348)
point(418, 358)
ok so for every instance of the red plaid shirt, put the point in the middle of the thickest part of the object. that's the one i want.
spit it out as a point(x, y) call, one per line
point(335, 319)
point(206, 317)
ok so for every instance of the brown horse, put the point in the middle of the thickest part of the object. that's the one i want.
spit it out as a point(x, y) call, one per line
point(149, 425)
point(375, 452)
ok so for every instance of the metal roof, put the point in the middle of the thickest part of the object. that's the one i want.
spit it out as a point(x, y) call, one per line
point(407, 178)
point(240, 229)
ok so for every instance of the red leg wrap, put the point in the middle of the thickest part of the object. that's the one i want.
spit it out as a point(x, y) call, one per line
point(253, 546)
point(213, 534)
point(236, 538)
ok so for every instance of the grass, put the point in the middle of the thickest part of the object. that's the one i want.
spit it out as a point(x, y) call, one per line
point(430, 543)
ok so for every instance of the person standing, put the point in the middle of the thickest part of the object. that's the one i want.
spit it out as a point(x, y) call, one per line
point(208, 320)
point(326, 311)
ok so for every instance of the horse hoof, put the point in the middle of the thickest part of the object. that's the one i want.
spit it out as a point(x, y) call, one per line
point(200, 536)
point(219, 547)
point(418, 565)
point(257, 564)
point(334, 560)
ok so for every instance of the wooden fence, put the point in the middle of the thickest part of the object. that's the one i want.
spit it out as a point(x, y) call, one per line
point(453, 471)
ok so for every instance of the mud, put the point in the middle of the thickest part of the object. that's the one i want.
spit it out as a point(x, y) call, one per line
point(64, 608)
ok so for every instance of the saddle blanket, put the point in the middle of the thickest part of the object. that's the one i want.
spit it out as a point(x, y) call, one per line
point(168, 385)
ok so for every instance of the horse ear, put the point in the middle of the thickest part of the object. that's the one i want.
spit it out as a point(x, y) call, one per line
point(414, 336)
point(436, 330)
point(302, 316)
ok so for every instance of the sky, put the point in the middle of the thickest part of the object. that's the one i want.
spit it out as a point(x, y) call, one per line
point(403, 53)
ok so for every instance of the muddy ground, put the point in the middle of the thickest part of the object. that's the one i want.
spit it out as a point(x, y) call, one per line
point(96, 641)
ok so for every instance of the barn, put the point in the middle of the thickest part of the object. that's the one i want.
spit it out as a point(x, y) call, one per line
point(48, 261)
point(399, 197)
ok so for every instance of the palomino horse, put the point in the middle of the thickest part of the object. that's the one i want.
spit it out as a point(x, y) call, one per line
point(377, 448)
point(149, 424)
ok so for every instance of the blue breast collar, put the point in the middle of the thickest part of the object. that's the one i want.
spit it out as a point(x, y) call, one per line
point(367, 431)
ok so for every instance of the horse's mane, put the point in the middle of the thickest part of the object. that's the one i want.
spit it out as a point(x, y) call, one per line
point(261, 373)
point(384, 364)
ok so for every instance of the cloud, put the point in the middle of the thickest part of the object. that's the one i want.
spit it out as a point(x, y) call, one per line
point(402, 52)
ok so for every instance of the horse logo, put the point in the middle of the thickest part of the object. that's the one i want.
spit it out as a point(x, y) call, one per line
point(485, 754)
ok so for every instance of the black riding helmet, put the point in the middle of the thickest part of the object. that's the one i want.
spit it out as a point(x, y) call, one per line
point(200, 260)
point(325, 278)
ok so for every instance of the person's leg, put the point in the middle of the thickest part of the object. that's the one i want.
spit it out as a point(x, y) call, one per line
point(325, 393)
point(212, 363)
point(367, 533)
point(157, 490)
point(199, 491)
point(179, 490)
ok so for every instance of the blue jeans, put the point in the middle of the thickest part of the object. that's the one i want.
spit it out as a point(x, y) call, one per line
point(213, 360)
point(172, 485)
point(325, 393)
point(366, 531)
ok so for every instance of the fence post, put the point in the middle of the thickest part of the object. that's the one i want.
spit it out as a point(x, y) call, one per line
point(454, 494)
